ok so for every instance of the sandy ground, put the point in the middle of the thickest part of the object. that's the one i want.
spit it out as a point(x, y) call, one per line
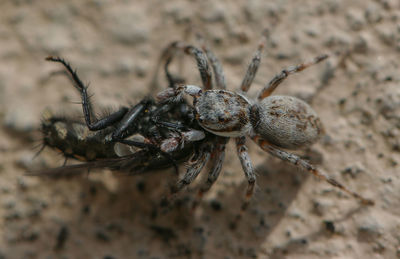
point(116, 45)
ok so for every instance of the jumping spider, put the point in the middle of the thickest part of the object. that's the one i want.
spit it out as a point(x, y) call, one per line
point(273, 122)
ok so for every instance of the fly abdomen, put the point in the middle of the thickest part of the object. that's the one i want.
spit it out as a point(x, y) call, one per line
point(73, 139)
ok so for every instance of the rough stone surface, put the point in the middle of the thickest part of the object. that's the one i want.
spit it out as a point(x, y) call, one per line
point(115, 46)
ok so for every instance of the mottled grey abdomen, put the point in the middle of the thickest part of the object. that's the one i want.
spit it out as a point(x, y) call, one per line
point(286, 122)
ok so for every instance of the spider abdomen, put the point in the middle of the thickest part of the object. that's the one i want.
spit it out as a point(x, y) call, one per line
point(286, 122)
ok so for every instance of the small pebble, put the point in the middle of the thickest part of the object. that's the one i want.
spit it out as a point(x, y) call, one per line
point(369, 232)
point(102, 235)
point(62, 237)
point(355, 20)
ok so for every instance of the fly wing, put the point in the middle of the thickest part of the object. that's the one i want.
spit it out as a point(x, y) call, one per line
point(137, 163)
point(138, 160)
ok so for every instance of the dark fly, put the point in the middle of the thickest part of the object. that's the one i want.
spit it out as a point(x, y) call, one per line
point(148, 136)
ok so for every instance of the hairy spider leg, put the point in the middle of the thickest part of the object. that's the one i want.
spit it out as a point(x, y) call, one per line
point(200, 57)
point(279, 78)
point(241, 148)
point(217, 159)
point(172, 80)
point(164, 57)
point(194, 167)
point(297, 161)
point(254, 65)
point(219, 76)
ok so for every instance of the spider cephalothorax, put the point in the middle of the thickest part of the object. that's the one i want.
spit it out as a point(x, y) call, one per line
point(223, 112)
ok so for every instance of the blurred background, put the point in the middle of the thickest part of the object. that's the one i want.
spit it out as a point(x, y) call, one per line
point(116, 45)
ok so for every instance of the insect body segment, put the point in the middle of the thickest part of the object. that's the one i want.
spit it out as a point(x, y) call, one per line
point(74, 139)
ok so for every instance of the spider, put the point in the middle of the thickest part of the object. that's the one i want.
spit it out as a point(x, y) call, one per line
point(274, 123)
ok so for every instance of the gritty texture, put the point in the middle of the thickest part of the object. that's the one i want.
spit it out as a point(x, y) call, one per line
point(116, 45)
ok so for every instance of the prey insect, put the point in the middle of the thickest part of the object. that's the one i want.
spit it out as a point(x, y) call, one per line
point(144, 137)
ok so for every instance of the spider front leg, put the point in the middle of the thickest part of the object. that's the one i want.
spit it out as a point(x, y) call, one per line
point(86, 105)
point(296, 160)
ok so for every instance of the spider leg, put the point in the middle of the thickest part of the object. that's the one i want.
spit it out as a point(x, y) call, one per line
point(194, 167)
point(254, 64)
point(247, 168)
point(86, 104)
point(172, 80)
point(218, 155)
point(215, 63)
point(166, 56)
point(296, 160)
point(200, 57)
point(278, 79)
point(202, 65)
